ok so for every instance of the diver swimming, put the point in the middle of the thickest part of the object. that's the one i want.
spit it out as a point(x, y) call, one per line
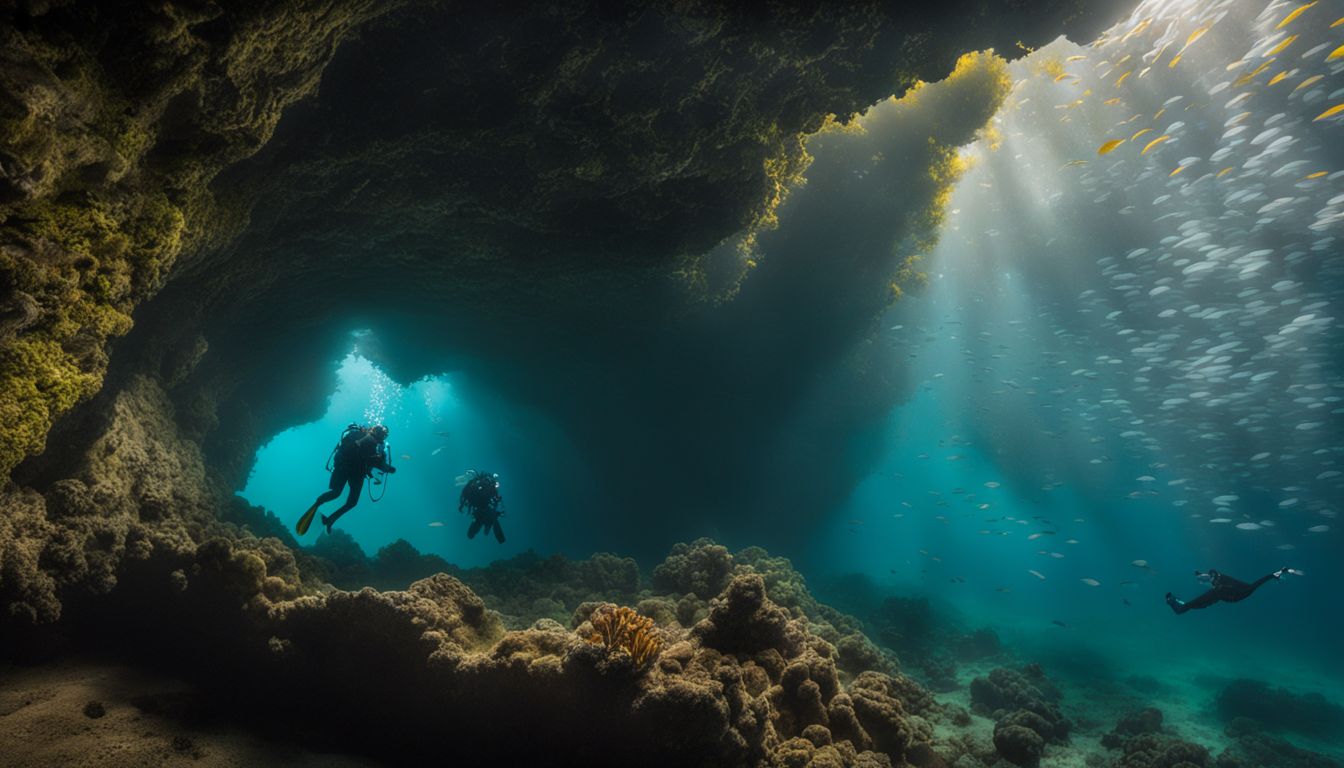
point(359, 451)
point(1223, 589)
point(480, 497)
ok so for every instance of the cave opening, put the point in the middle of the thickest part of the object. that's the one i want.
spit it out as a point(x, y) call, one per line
point(440, 426)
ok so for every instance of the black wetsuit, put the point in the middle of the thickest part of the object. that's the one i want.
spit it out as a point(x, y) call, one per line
point(1225, 589)
point(354, 459)
point(481, 497)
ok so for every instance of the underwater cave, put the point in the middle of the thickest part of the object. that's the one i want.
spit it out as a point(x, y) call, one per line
point(860, 382)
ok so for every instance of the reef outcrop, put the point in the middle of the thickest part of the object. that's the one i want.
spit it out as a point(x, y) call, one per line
point(1024, 706)
point(750, 683)
point(1275, 708)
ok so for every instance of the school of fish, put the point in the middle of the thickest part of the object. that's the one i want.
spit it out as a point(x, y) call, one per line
point(1150, 276)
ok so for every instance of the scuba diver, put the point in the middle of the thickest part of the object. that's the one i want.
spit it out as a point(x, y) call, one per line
point(480, 496)
point(1223, 589)
point(359, 452)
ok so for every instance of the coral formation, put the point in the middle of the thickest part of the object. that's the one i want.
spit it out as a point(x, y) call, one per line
point(1252, 746)
point(1144, 721)
point(1018, 744)
point(1151, 750)
point(1143, 743)
point(1007, 690)
point(701, 568)
point(1024, 707)
point(1310, 714)
point(749, 683)
point(621, 628)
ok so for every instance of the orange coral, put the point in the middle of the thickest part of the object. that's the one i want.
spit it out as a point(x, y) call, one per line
point(622, 628)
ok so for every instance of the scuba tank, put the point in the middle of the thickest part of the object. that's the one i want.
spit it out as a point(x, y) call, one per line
point(351, 432)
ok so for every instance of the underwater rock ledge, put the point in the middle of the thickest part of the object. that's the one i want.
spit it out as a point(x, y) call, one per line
point(735, 664)
point(752, 674)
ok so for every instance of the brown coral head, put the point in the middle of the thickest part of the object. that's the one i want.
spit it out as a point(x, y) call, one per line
point(621, 628)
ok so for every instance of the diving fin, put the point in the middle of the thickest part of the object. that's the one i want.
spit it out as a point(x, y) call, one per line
point(499, 533)
point(305, 521)
point(474, 529)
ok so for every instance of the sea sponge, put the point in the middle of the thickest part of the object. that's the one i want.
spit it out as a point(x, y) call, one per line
point(1006, 690)
point(1310, 714)
point(606, 574)
point(743, 620)
point(785, 586)
point(1154, 750)
point(880, 713)
point(1253, 748)
point(1133, 724)
point(701, 568)
point(621, 628)
point(1018, 744)
point(800, 752)
point(698, 709)
point(857, 654)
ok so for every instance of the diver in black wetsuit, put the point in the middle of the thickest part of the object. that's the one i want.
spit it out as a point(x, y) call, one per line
point(480, 496)
point(1224, 589)
point(359, 452)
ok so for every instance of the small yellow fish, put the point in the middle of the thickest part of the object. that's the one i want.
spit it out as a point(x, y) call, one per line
point(1318, 174)
point(1338, 53)
point(1140, 133)
point(1108, 147)
point(1224, 172)
point(1161, 139)
point(1289, 18)
point(1331, 112)
point(1112, 102)
point(1198, 33)
point(1061, 76)
point(1278, 78)
point(1310, 81)
point(1160, 112)
point(1276, 50)
point(1142, 25)
point(1076, 58)
point(1179, 168)
point(1127, 74)
point(1338, 22)
point(1265, 66)
point(1174, 61)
